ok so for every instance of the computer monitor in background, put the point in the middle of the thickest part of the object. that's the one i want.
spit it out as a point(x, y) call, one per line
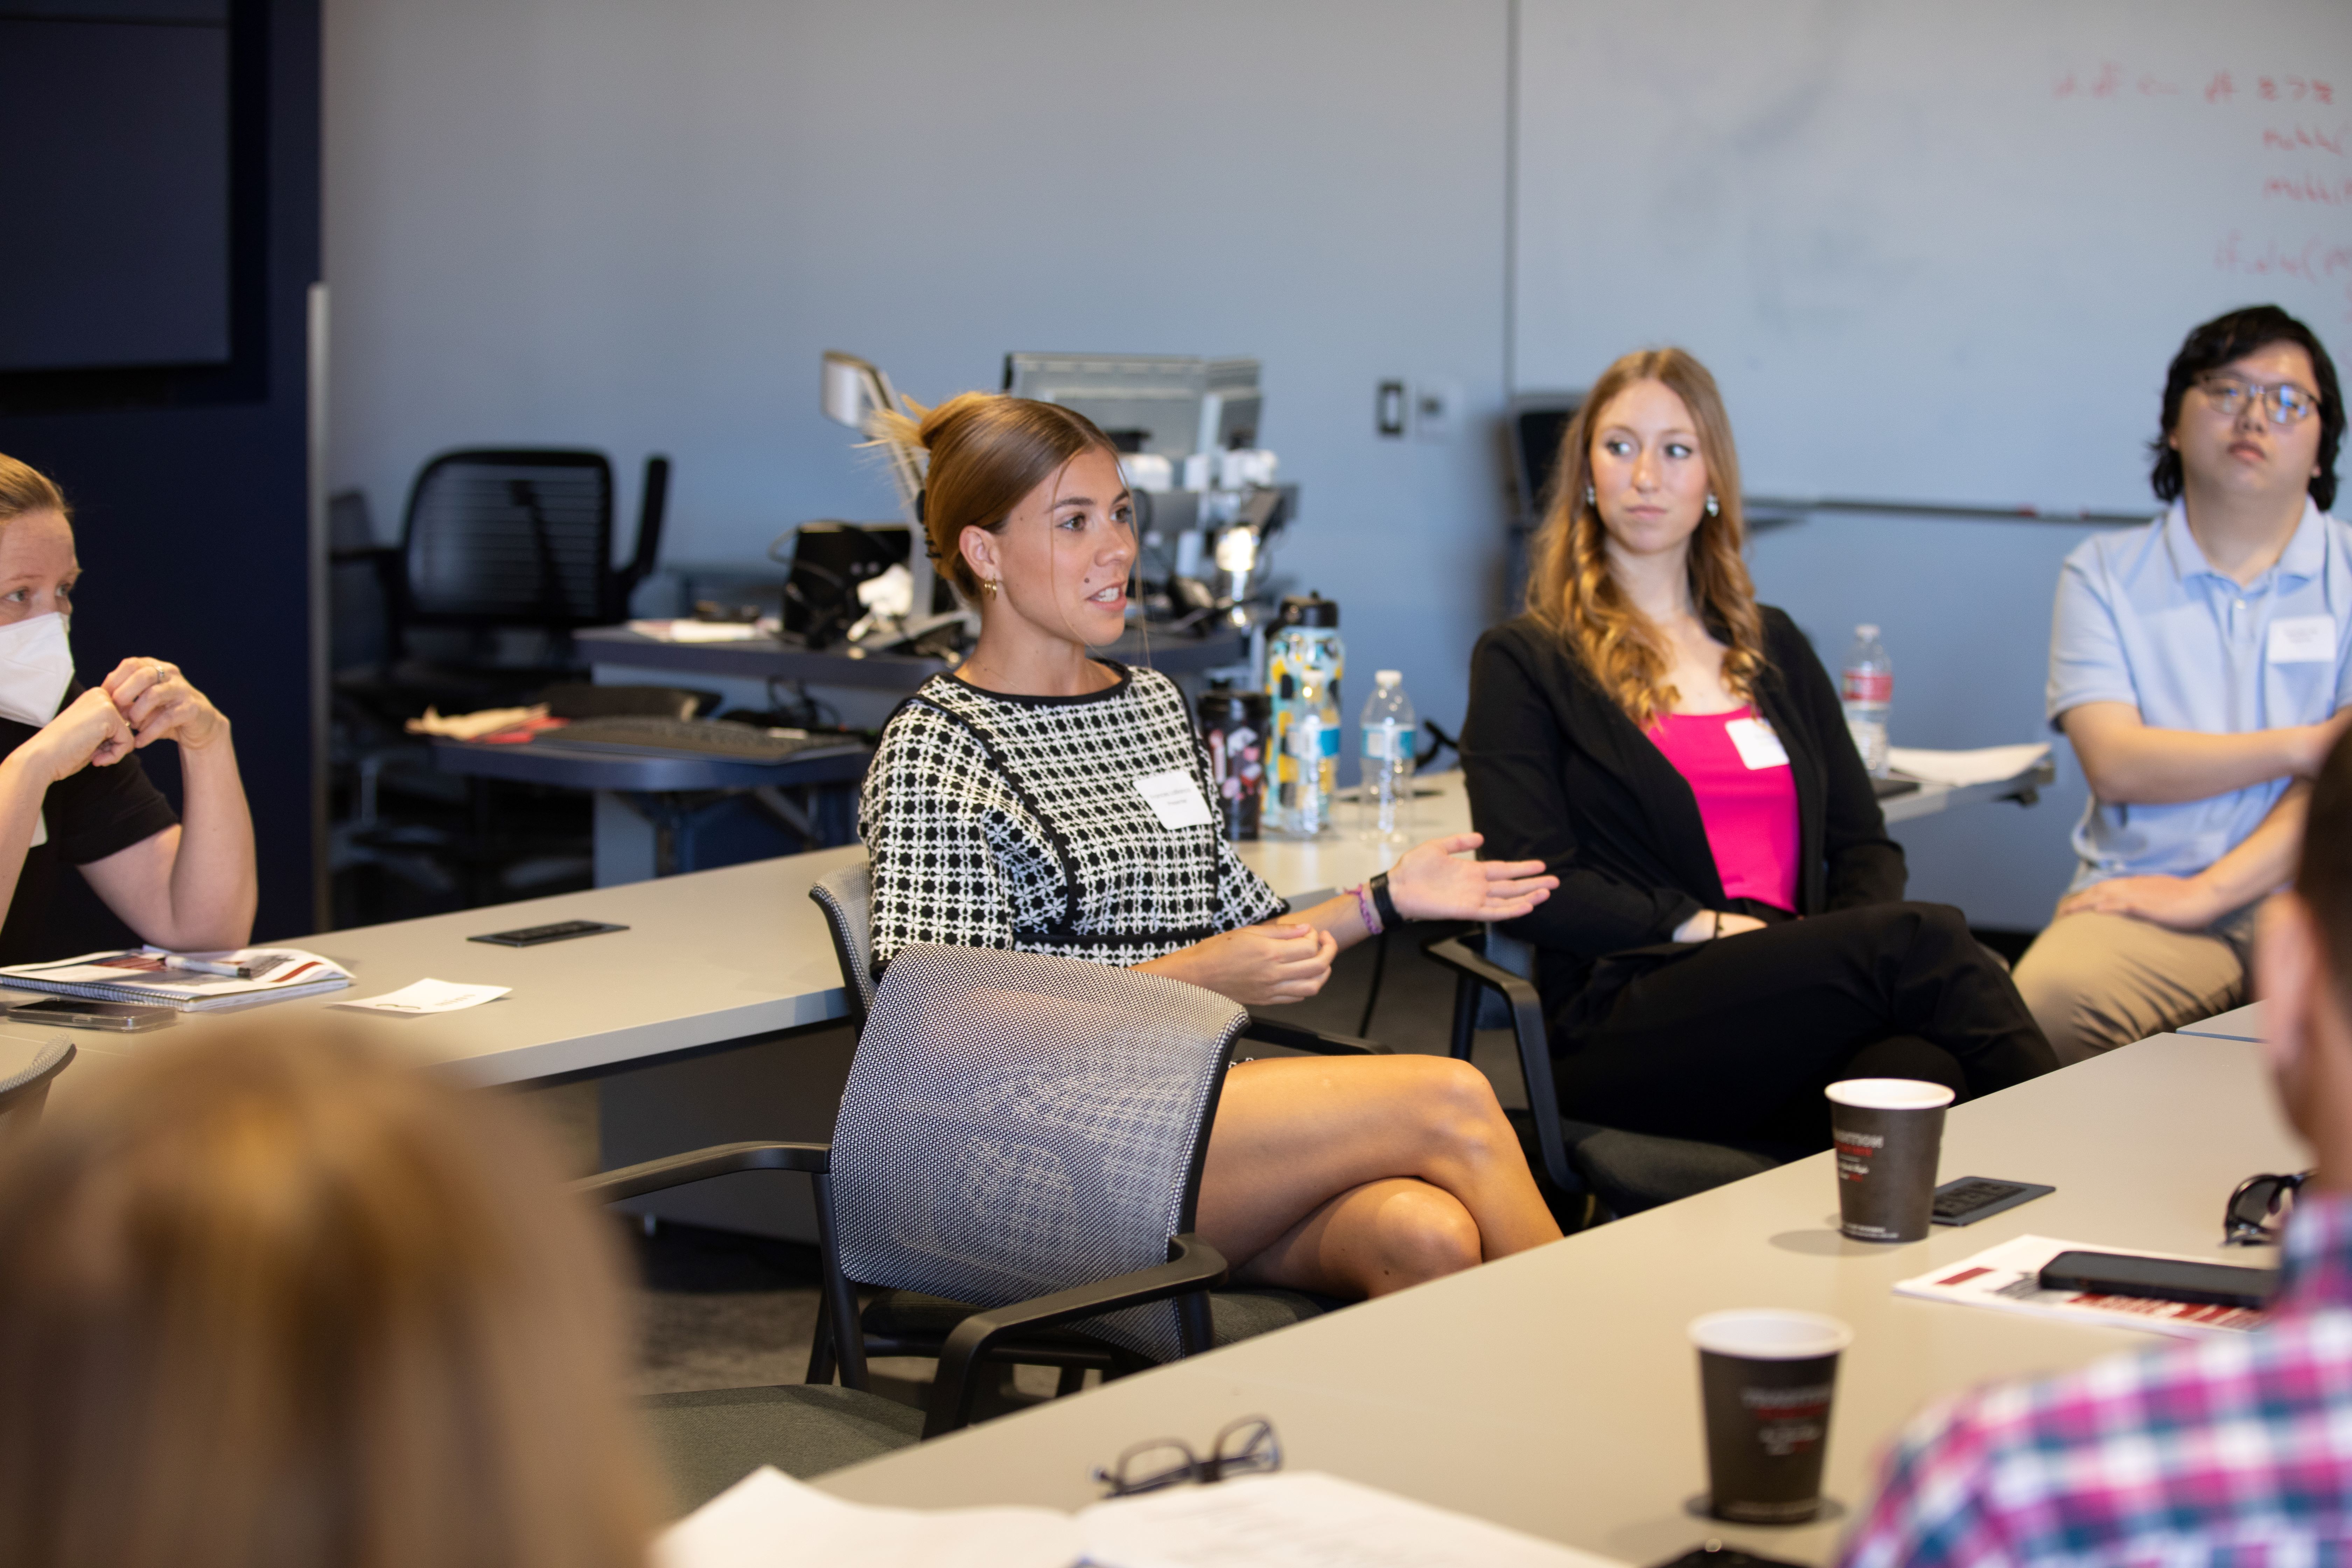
point(1538, 420)
point(1171, 405)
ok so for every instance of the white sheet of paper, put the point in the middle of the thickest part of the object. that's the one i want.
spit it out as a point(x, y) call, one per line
point(1302, 1520)
point(2303, 640)
point(767, 1520)
point(1174, 798)
point(429, 996)
point(1759, 747)
point(1988, 764)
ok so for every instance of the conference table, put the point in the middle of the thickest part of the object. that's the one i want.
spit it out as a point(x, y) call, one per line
point(1556, 1393)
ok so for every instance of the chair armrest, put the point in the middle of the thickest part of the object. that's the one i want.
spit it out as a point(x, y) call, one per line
point(1194, 1265)
point(700, 1165)
point(1534, 1040)
point(1299, 1038)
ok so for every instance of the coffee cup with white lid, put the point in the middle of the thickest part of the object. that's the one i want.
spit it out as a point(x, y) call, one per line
point(1888, 1136)
point(1766, 1379)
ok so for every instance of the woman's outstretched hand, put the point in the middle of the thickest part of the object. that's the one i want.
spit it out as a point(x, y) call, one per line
point(1430, 884)
point(1281, 961)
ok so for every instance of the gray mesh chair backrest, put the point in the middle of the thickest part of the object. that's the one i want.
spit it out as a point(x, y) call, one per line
point(1017, 1125)
point(846, 897)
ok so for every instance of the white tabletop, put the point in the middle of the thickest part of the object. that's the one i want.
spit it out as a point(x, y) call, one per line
point(1555, 1391)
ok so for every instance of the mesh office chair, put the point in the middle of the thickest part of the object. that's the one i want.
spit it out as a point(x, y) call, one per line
point(1623, 1171)
point(920, 1322)
point(1020, 1135)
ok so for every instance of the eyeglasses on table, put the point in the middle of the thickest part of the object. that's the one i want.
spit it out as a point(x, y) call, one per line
point(2256, 1205)
point(1246, 1446)
point(2286, 403)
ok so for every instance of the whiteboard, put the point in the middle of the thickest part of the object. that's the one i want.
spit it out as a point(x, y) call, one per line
point(1936, 252)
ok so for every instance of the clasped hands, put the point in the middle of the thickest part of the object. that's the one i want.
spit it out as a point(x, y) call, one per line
point(143, 701)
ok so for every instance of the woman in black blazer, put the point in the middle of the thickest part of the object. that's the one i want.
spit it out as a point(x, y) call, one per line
point(1728, 936)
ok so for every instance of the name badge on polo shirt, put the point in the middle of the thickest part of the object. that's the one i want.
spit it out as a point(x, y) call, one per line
point(1759, 747)
point(1174, 798)
point(2303, 640)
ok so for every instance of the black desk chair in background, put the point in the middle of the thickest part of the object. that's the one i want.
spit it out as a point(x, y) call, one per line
point(1607, 1167)
point(495, 541)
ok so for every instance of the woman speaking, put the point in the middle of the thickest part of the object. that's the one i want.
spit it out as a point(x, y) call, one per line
point(1046, 801)
point(1729, 936)
point(70, 785)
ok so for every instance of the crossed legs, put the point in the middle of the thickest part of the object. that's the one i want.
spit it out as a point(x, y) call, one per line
point(1360, 1175)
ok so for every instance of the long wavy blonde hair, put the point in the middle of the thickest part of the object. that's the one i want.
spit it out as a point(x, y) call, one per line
point(1571, 589)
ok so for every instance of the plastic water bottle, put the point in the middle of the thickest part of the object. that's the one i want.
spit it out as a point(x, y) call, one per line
point(1390, 730)
point(1304, 662)
point(1868, 687)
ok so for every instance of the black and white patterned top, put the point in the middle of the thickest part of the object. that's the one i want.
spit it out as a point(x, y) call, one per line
point(996, 821)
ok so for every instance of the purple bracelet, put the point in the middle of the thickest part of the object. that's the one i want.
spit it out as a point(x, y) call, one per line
point(1364, 908)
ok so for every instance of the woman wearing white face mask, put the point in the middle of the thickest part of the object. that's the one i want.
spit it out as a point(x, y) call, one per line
point(71, 789)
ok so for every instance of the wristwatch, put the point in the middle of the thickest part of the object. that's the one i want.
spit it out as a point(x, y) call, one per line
point(1383, 904)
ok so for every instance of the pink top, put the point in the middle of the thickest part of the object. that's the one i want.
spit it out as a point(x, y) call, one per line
point(1751, 813)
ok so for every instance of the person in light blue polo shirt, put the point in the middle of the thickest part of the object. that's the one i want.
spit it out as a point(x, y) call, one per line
point(2199, 667)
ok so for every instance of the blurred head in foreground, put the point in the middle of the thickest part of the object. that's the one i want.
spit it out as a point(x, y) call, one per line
point(270, 1301)
point(2303, 966)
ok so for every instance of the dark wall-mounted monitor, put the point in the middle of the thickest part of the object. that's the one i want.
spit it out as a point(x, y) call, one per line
point(129, 272)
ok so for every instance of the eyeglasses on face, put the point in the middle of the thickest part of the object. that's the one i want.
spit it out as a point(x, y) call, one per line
point(1245, 1447)
point(2286, 403)
point(2257, 1201)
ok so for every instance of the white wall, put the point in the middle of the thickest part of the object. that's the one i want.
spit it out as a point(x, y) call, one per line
point(635, 227)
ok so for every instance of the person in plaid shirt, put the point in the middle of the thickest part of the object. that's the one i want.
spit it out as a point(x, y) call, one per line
point(2236, 1450)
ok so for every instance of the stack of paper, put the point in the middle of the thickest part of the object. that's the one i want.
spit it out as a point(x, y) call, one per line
point(1290, 1520)
point(147, 975)
point(2008, 1279)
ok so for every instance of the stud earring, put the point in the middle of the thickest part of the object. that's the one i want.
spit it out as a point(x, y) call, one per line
point(1592, 496)
point(987, 589)
point(1712, 509)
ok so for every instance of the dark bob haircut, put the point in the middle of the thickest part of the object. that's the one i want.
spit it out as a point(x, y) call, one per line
point(2233, 337)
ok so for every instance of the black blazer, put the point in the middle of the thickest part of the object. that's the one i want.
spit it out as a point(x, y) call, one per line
point(1558, 774)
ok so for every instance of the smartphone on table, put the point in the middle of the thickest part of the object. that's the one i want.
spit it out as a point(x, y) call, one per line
point(80, 1013)
point(2159, 1280)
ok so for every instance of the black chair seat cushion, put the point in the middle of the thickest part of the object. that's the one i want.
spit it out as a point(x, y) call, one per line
point(708, 1440)
point(1637, 1171)
point(1234, 1315)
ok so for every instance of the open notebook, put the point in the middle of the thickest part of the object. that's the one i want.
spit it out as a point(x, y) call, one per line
point(1294, 1520)
point(145, 975)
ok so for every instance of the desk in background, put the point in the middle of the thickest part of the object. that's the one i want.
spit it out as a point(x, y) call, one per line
point(1556, 1393)
point(863, 689)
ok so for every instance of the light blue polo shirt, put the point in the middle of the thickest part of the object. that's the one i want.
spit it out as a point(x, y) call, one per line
point(2143, 619)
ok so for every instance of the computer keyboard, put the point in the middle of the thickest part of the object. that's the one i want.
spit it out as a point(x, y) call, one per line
point(696, 738)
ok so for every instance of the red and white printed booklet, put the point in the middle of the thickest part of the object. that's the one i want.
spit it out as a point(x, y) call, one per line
point(149, 975)
point(2008, 1279)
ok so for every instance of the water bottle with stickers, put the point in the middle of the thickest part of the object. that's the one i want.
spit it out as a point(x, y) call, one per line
point(1390, 731)
point(1868, 687)
point(1304, 662)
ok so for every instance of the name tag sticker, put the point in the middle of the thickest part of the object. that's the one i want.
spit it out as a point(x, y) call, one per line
point(1759, 747)
point(2303, 640)
point(1174, 798)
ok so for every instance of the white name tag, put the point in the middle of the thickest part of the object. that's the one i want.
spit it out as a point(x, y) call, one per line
point(1174, 798)
point(2303, 640)
point(1759, 747)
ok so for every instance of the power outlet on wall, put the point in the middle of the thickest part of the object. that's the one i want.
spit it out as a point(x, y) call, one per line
point(1436, 410)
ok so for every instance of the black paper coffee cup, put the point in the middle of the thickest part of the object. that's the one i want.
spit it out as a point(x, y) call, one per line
point(1889, 1134)
point(1766, 1379)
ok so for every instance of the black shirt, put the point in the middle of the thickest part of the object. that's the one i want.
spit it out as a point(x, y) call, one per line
point(1558, 772)
point(94, 813)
